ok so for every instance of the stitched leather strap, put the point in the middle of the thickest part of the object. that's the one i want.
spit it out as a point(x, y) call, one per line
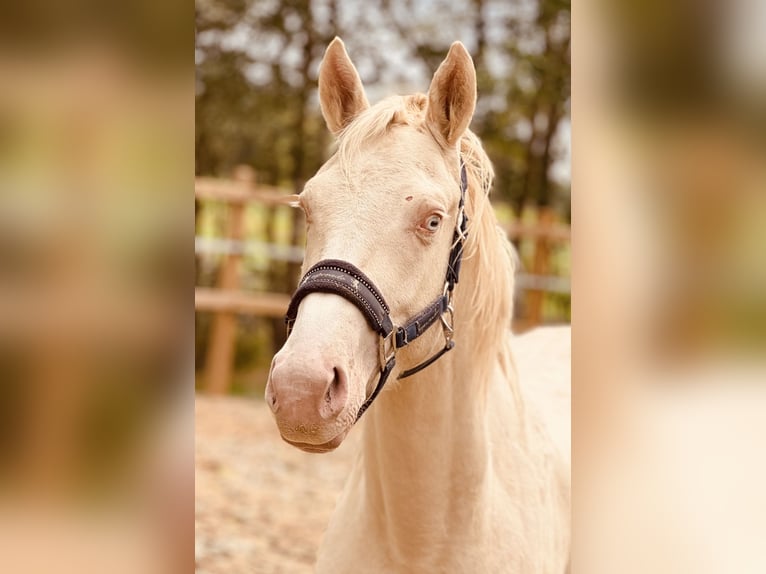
point(344, 279)
point(420, 323)
point(430, 360)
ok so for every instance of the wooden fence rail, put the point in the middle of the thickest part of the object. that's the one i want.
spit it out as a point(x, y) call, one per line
point(226, 301)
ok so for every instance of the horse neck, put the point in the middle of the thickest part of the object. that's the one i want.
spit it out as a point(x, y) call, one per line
point(427, 449)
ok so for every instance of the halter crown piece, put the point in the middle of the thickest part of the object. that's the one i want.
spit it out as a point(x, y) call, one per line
point(344, 279)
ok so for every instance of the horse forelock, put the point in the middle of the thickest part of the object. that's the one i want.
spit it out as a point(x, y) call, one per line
point(374, 123)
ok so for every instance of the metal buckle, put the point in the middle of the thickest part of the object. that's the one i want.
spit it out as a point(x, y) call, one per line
point(448, 326)
point(387, 348)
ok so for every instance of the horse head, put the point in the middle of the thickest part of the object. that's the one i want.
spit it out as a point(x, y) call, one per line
point(386, 205)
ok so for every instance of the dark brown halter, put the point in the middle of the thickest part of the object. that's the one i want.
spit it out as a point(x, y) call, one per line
point(344, 279)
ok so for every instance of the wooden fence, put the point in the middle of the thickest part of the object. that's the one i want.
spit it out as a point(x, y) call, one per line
point(227, 300)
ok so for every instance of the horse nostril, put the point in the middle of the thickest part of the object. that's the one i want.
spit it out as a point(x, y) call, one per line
point(332, 389)
point(336, 394)
point(271, 398)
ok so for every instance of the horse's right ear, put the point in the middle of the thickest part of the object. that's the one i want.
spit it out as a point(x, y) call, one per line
point(341, 93)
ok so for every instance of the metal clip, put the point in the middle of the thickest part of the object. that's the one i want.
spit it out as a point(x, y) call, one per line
point(448, 326)
point(387, 348)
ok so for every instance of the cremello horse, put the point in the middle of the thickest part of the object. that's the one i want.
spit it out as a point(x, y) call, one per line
point(457, 471)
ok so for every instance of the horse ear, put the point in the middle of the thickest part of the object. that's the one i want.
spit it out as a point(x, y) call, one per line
point(341, 94)
point(452, 96)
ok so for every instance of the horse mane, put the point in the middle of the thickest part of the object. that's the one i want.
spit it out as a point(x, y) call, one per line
point(490, 259)
point(488, 255)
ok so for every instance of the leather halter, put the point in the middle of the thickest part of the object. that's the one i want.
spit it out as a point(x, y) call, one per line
point(344, 279)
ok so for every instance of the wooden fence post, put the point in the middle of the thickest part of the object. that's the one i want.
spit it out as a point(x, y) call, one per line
point(223, 332)
point(540, 265)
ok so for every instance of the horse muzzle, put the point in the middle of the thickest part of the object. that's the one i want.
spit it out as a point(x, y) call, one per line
point(309, 397)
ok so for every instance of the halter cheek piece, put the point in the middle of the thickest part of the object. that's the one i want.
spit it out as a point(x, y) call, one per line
point(344, 279)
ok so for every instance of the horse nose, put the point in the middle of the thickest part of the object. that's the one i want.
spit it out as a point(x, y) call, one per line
point(306, 390)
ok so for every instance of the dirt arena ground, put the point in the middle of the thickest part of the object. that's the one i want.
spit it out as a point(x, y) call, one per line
point(261, 505)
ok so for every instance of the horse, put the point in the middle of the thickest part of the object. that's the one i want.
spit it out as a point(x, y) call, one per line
point(458, 470)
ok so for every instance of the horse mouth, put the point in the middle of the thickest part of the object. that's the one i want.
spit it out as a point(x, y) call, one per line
point(328, 446)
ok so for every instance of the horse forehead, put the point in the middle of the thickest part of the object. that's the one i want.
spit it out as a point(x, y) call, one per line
point(408, 147)
point(384, 186)
point(403, 159)
point(391, 165)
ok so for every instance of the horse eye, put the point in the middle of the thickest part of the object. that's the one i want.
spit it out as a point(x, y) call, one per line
point(432, 223)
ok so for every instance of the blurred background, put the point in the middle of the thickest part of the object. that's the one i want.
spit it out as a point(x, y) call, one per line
point(96, 272)
point(97, 234)
point(669, 327)
point(260, 136)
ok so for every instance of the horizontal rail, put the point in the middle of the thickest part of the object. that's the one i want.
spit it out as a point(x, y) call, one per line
point(262, 304)
point(237, 192)
point(219, 246)
point(546, 283)
point(561, 233)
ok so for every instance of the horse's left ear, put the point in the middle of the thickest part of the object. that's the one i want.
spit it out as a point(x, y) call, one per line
point(452, 96)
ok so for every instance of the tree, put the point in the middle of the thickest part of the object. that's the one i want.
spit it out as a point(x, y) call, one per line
point(257, 65)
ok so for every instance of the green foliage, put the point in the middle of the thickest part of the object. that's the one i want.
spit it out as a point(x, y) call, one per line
point(256, 81)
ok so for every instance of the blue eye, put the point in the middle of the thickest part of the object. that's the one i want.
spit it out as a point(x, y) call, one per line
point(433, 222)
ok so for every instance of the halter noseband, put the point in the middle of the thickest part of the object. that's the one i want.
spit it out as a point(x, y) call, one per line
point(344, 279)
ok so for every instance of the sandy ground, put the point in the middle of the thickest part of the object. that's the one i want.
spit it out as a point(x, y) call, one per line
point(261, 505)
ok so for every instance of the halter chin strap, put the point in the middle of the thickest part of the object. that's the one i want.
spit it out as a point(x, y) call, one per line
point(344, 279)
